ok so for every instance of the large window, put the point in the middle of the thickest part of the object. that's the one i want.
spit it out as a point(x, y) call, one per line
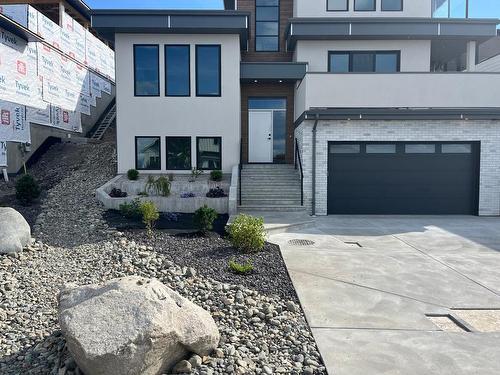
point(392, 5)
point(338, 5)
point(147, 153)
point(364, 62)
point(177, 77)
point(465, 9)
point(267, 25)
point(146, 70)
point(208, 70)
point(208, 153)
point(364, 5)
point(178, 153)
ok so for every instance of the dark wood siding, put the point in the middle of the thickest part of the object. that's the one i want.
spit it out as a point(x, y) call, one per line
point(282, 90)
point(286, 12)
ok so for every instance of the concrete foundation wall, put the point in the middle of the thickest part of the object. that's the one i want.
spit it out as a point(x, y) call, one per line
point(487, 132)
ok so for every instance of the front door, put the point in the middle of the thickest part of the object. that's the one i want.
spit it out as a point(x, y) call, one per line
point(260, 136)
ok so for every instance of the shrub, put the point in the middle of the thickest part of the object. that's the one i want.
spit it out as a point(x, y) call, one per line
point(133, 174)
point(27, 189)
point(160, 186)
point(247, 233)
point(188, 195)
point(216, 175)
point(216, 193)
point(240, 268)
point(117, 193)
point(149, 215)
point(143, 194)
point(195, 173)
point(131, 210)
point(204, 218)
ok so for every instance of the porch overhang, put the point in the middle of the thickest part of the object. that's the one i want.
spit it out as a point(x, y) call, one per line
point(388, 28)
point(272, 71)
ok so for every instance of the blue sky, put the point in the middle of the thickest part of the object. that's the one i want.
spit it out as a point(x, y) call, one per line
point(151, 4)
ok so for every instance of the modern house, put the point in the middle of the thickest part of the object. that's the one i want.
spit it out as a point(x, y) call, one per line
point(333, 106)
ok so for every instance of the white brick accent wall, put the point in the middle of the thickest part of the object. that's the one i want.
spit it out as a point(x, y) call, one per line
point(487, 132)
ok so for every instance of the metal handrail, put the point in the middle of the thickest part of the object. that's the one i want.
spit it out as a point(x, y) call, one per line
point(298, 158)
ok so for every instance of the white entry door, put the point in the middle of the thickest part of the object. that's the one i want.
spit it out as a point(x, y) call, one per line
point(260, 136)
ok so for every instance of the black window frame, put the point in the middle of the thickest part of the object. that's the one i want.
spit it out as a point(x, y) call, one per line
point(136, 155)
point(391, 10)
point(198, 166)
point(167, 167)
point(336, 10)
point(375, 53)
point(220, 70)
point(135, 70)
point(166, 67)
point(267, 36)
point(366, 10)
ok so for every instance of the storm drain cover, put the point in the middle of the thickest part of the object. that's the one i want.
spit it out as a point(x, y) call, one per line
point(448, 323)
point(300, 242)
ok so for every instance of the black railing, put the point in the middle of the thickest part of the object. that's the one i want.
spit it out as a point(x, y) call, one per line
point(298, 162)
point(240, 167)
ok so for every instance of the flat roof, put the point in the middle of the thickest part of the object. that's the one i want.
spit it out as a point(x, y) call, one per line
point(115, 21)
point(81, 7)
point(12, 26)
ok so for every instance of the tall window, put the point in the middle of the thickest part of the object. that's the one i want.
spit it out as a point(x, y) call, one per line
point(338, 5)
point(392, 5)
point(208, 153)
point(208, 70)
point(364, 62)
point(178, 153)
point(177, 76)
point(364, 5)
point(147, 153)
point(267, 25)
point(146, 70)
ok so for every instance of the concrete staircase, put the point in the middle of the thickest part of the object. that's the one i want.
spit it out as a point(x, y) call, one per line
point(270, 187)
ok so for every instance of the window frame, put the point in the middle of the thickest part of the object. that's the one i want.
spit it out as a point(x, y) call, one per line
point(391, 10)
point(219, 47)
point(375, 53)
point(366, 10)
point(166, 67)
point(135, 70)
point(335, 10)
point(198, 138)
point(267, 36)
point(167, 167)
point(136, 154)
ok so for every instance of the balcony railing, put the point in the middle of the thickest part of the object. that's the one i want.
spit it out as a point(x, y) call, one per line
point(398, 90)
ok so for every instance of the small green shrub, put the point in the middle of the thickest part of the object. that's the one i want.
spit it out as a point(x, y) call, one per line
point(247, 233)
point(133, 174)
point(216, 175)
point(131, 210)
point(195, 173)
point(27, 189)
point(160, 186)
point(240, 268)
point(204, 218)
point(149, 214)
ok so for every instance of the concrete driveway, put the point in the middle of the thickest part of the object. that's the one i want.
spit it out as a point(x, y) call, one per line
point(400, 295)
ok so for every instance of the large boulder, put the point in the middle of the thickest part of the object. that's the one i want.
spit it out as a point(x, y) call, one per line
point(15, 232)
point(133, 326)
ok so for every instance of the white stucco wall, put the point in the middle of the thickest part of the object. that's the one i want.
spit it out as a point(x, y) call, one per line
point(490, 65)
point(415, 54)
point(416, 130)
point(178, 116)
point(317, 8)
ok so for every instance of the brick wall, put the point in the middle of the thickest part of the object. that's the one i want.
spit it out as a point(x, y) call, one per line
point(487, 132)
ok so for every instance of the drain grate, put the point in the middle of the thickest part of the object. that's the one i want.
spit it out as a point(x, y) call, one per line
point(300, 242)
point(448, 323)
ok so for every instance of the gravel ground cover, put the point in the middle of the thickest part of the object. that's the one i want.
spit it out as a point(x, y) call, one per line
point(263, 329)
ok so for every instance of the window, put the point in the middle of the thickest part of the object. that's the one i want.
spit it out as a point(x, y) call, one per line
point(267, 25)
point(392, 5)
point(364, 62)
point(208, 153)
point(208, 70)
point(147, 153)
point(420, 148)
point(338, 5)
point(380, 149)
point(364, 5)
point(459, 148)
point(345, 149)
point(178, 153)
point(177, 65)
point(146, 70)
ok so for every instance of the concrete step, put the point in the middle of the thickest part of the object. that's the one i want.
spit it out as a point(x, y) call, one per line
point(270, 202)
point(270, 191)
point(281, 208)
point(268, 166)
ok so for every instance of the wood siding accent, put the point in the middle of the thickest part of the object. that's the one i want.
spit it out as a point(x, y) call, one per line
point(268, 90)
point(286, 12)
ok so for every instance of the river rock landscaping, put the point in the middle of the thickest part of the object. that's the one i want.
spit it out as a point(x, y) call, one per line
point(262, 327)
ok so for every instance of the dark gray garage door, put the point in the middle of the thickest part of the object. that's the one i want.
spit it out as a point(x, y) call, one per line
point(403, 177)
